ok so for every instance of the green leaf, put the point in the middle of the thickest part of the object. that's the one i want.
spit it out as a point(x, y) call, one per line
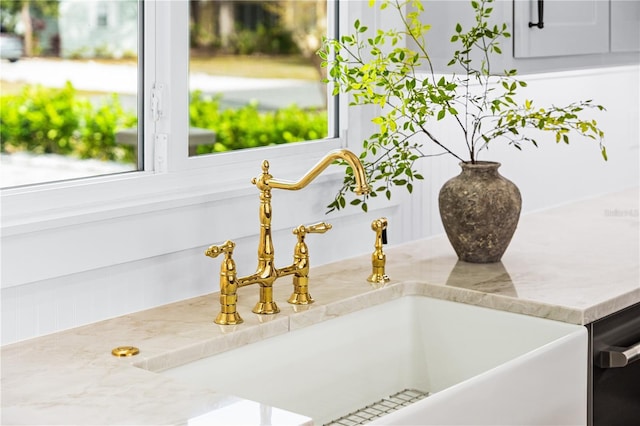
point(441, 114)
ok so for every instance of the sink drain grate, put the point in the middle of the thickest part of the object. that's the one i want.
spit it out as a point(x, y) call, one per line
point(380, 408)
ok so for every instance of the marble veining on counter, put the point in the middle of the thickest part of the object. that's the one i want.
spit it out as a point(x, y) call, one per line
point(574, 263)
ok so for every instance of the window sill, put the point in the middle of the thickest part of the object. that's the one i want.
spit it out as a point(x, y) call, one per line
point(49, 206)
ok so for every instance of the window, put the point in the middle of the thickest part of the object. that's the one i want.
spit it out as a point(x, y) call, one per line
point(254, 81)
point(183, 122)
point(254, 76)
point(70, 109)
point(77, 212)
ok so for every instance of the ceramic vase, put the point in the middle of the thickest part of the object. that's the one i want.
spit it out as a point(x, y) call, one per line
point(480, 210)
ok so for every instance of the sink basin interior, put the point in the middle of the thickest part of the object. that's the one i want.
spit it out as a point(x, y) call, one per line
point(329, 369)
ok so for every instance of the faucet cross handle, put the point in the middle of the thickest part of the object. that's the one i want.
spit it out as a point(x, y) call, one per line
point(300, 266)
point(228, 314)
point(226, 248)
point(316, 228)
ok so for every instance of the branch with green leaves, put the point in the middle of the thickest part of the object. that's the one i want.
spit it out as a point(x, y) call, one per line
point(378, 68)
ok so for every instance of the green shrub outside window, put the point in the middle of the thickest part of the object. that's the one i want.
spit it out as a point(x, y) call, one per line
point(61, 121)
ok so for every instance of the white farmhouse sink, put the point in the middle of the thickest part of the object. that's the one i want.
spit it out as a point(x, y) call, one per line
point(480, 366)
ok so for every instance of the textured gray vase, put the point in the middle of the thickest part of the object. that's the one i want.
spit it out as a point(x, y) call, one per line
point(480, 210)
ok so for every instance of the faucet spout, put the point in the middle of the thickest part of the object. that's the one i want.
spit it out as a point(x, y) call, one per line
point(349, 157)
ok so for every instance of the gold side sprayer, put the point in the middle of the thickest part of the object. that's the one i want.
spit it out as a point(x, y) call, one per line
point(378, 257)
point(266, 272)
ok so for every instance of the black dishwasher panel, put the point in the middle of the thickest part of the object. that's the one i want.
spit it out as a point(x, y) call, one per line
point(616, 387)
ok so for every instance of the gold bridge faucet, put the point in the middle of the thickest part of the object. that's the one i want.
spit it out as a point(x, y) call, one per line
point(266, 272)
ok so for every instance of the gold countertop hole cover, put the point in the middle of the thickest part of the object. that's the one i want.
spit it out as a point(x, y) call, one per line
point(123, 351)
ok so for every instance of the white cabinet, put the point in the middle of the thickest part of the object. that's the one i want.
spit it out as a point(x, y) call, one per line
point(571, 27)
point(576, 33)
point(625, 25)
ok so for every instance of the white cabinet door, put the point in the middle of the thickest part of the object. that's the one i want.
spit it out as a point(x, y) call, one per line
point(571, 27)
point(625, 25)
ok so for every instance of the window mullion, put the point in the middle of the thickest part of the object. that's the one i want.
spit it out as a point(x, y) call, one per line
point(146, 77)
point(170, 78)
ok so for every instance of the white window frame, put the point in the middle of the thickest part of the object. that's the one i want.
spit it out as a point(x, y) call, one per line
point(171, 178)
point(164, 172)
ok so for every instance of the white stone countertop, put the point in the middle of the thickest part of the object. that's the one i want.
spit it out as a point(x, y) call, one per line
point(575, 263)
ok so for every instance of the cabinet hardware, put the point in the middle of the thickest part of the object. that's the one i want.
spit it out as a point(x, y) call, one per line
point(540, 23)
point(619, 357)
